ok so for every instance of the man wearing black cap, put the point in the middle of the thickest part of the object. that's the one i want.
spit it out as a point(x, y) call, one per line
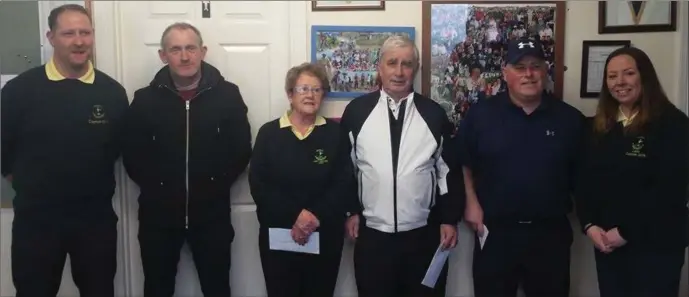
point(519, 150)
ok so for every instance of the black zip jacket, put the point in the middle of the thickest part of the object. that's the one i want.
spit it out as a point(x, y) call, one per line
point(185, 155)
point(638, 182)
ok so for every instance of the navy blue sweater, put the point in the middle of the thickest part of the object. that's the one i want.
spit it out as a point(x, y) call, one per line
point(638, 182)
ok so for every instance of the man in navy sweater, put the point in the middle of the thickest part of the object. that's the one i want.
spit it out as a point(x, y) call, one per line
point(59, 146)
point(519, 151)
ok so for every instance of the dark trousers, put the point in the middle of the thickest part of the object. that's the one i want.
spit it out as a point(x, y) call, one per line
point(640, 272)
point(40, 246)
point(535, 255)
point(394, 264)
point(291, 274)
point(211, 250)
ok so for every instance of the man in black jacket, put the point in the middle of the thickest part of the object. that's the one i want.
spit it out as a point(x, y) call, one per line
point(187, 140)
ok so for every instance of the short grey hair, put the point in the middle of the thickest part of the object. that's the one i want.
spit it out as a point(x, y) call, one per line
point(180, 26)
point(399, 41)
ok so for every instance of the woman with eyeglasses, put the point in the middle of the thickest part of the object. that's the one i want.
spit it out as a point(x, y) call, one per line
point(300, 175)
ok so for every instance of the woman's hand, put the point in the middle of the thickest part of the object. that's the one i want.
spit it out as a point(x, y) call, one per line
point(614, 239)
point(305, 225)
point(597, 235)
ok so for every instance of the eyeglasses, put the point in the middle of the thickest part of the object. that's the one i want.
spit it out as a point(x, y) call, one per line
point(306, 89)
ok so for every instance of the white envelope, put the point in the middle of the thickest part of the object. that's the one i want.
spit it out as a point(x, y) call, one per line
point(436, 267)
point(482, 237)
point(281, 239)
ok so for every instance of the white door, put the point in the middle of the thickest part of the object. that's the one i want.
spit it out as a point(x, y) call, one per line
point(250, 43)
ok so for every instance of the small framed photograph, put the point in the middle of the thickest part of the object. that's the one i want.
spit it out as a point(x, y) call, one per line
point(636, 16)
point(593, 56)
point(347, 5)
point(349, 55)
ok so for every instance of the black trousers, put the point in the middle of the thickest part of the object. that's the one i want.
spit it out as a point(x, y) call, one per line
point(211, 251)
point(632, 271)
point(535, 255)
point(41, 243)
point(291, 274)
point(394, 264)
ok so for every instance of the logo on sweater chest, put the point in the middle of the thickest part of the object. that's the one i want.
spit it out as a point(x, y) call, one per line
point(98, 115)
point(319, 158)
point(637, 149)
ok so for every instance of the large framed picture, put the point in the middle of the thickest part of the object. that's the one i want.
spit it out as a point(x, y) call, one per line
point(465, 44)
point(350, 55)
point(636, 16)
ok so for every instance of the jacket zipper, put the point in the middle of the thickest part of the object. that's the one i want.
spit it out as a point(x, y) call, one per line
point(186, 169)
point(186, 153)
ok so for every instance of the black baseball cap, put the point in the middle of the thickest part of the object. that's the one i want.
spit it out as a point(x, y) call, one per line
point(520, 48)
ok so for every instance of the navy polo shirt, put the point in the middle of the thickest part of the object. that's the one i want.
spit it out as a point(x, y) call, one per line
point(523, 165)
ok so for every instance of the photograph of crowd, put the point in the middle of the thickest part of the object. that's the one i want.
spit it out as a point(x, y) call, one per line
point(350, 55)
point(469, 44)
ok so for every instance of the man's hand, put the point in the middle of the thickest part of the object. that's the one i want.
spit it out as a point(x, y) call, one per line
point(473, 215)
point(352, 227)
point(613, 238)
point(597, 235)
point(448, 236)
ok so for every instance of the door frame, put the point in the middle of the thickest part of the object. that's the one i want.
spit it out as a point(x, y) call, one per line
point(683, 76)
point(683, 50)
point(107, 19)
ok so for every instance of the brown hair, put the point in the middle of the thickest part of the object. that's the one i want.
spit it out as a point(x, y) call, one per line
point(314, 69)
point(57, 11)
point(650, 105)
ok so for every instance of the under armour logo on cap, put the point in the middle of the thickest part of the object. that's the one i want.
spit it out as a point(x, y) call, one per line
point(519, 48)
point(522, 44)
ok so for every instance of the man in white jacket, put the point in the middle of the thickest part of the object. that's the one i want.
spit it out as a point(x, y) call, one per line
point(407, 207)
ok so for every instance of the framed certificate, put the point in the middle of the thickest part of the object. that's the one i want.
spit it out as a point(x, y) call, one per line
point(593, 56)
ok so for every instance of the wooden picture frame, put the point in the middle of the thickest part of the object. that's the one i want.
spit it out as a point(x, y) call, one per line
point(636, 16)
point(347, 5)
point(594, 54)
point(449, 56)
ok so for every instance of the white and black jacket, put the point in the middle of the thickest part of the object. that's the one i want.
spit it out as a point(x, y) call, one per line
point(404, 168)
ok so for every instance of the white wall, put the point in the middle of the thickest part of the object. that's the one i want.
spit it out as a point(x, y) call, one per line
point(664, 49)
